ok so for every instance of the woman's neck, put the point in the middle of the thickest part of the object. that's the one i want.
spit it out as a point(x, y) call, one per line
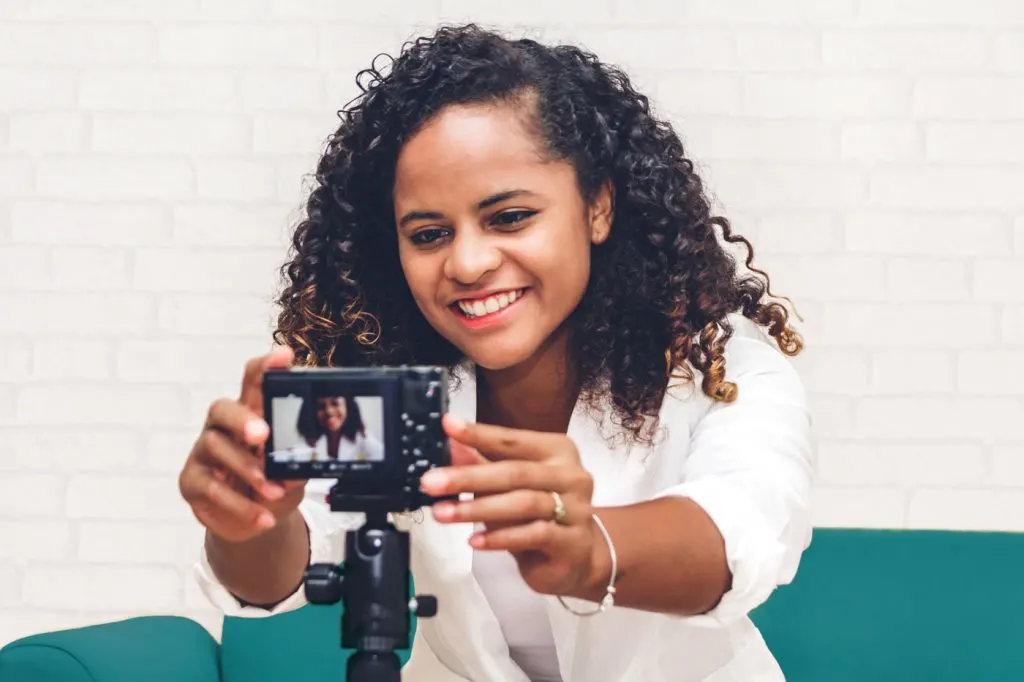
point(537, 395)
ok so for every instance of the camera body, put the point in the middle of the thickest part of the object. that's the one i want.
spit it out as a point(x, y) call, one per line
point(376, 430)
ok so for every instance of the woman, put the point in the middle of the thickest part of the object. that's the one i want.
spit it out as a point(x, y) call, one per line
point(339, 433)
point(634, 442)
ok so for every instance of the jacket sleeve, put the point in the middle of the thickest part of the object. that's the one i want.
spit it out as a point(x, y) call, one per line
point(326, 544)
point(750, 467)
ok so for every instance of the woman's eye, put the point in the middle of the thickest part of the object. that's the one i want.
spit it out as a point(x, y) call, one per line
point(511, 218)
point(428, 236)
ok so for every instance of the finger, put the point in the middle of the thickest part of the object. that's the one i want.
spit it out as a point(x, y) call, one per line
point(496, 477)
point(218, 502)
point(280, 357)
point(219, 450)
point(238, 420)
point(513, 508)
point(537, 535)
point(463, 455)
point(498, 442)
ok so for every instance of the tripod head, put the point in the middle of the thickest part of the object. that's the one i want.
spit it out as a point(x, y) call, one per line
point(373, 585)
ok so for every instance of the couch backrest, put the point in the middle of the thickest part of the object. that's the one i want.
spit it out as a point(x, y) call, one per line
point(911, 606)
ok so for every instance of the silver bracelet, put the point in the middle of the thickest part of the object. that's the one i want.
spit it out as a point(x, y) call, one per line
point(609, 595)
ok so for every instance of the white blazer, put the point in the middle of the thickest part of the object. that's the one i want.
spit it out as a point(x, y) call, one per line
point(749, 464)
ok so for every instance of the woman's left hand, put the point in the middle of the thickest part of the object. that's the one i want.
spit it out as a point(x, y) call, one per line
point(512, 474)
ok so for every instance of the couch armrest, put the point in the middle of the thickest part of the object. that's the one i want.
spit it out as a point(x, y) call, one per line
point(152, 648)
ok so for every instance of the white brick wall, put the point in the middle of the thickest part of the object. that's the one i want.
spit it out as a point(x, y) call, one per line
point(152, 157)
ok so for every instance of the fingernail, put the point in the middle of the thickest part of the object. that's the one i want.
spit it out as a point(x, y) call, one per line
point(443, 511)
point(256, 429)
point(434, 479)
point(266, 520)
point(457, 423)
point(476, 540)
point(273, 491)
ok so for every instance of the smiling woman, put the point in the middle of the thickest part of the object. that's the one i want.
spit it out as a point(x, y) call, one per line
point(629, 439)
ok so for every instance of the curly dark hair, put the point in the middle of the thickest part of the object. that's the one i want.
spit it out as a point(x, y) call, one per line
point(311, 429)
point(661, 286)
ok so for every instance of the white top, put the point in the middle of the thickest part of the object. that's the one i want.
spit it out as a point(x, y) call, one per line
point(522, 614)
point(363, 448)
point(749, 464)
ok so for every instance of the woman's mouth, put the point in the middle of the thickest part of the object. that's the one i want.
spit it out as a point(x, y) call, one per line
point(483, 308)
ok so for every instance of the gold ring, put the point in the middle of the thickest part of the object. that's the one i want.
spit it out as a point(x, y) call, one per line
point(561, 515)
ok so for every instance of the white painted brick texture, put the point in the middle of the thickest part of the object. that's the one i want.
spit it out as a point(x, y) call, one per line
point(154, 154)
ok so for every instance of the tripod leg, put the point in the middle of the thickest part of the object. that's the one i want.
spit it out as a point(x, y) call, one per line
point(369, 666)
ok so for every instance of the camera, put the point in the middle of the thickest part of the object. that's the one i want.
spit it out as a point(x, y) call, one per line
point(375, 430)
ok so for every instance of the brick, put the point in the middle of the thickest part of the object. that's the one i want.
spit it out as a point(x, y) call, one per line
point(940, 417)
point(1008, 51)
point(30, 89)
point(975, 142)
point(277, 89)
point(912, 372)
point(97, 10)
point(10, 586)
point(15, 360)
point(789, 48)
point(100, 405)
point(827, 278)
point(208, 314)
point(295, 181)
point(7, 404)
point(914, 279)
point(991, 372)
point(191, 134)
point(87, 314)
point(23, 268)
point(906, 325)
point(654, 48)
point(239, 180)
point(177, 361)
point(32, 44)
point(770, 186)
point(833, 414)
point(798, 232)
point(883, 464)
point(878, 142)
point(947, 188)
point(1018, 232)
point(940, 12)
point(158, 89)
point(527, 12)
point(830, 370)
point(1008, 466)
point(292, 133)
point(230, 225)
point(134, 542)
point(224, 271)
point(84, 268)
point(825, 97)
point(99, 179)
point(864, 507)
point(967, 510)
point(238, 45)
point(1012, 325)
point(697, 94)
point(904, 51)
point(999, 279)
point(924, 234)
point(716, 139)
point(64, 223)
point(979, 97)
point(752, 11)
point(69, 450)
point(124, 496)
point(345, 49)
point(28, 540)
point(102, 587)
point(15, 177)
point(166, 450)
point(31, 495)
point(71, 359)
point(48, 132)
point(201, 396)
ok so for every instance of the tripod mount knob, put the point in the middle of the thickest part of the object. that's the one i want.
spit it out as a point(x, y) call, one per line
point(424, 606)
point(324, 584)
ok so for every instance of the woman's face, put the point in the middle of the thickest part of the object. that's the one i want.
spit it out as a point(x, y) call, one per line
point(494, 240)
point(331, 413)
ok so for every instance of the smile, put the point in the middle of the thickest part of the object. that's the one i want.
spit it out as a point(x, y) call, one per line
point(483, 307)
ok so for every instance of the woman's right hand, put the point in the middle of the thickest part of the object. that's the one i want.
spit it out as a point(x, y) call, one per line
point(223, 479)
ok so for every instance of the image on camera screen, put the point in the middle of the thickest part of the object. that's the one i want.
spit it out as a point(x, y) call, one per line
point(327, 429)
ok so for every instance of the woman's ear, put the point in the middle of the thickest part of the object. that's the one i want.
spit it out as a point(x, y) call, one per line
point(602, 210)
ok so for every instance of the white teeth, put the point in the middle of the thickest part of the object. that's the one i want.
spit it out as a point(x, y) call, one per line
point(489, 305)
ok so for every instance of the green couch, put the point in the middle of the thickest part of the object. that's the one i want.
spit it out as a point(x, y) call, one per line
point(867, 606)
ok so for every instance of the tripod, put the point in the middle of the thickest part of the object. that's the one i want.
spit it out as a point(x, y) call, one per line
point(373, 585)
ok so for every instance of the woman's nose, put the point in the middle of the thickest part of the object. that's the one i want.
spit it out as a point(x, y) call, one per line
point(471, 256)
